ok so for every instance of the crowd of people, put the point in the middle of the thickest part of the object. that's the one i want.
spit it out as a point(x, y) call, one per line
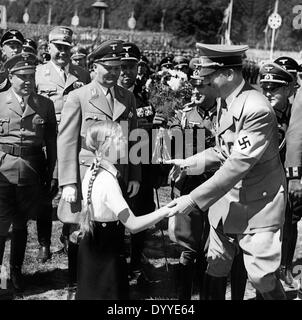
point(66, 117)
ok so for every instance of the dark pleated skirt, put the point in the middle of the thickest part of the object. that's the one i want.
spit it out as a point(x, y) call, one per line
point(102, 267)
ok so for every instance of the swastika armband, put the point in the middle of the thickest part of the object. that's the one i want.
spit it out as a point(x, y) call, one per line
point(293, 172)
point(244, 143)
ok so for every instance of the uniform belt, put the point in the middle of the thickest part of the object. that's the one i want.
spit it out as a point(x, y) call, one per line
point(19, 151)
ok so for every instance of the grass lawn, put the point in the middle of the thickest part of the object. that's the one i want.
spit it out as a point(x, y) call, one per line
point(48, 281)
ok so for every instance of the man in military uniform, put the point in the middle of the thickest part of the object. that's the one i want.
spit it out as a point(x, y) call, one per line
point(55, 80)
point(11, 43)
point(182, 64)
point(102, 99)
point(143, 202)
point(246, 195)
point(78, 56)
point(27, 124)
point(277, 85)
point(29, 45)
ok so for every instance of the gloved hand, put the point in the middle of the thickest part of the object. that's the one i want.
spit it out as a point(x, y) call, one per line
point(183, 205)
point(70, 193)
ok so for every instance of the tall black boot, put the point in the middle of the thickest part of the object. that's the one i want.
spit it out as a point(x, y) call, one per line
point(44, 226)
point(277, 293)
point(185, 281)
point(214, 287)
point(17, 252)
point(238, 277)
point(72, 269)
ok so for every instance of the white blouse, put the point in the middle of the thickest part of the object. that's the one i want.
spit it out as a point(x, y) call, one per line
point(107, 200)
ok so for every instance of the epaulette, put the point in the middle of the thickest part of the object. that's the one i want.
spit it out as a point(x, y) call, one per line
point(94, 93)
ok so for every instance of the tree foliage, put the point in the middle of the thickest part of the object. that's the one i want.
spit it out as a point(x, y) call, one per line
point(188, 20)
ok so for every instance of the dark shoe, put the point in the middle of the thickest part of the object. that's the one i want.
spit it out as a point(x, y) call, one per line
point(44, 254)
point(17, 279)
point(277, 293)
point(71, 292)
point(286, 276)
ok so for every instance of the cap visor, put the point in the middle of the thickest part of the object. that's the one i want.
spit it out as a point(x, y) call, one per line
point(113, 63)
point(62, 42)
point(206, 71)
point(24, 71)
point(12, 40)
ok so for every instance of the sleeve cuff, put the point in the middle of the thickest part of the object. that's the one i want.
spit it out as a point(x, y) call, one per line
point(293, 172)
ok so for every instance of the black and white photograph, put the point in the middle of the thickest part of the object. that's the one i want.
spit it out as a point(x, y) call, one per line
point(150, 153)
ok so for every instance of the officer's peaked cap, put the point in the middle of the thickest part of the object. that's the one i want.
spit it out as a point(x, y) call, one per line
point(108, 53)
point(217, 56)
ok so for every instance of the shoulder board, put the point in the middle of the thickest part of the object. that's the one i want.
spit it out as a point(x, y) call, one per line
point(94, 93)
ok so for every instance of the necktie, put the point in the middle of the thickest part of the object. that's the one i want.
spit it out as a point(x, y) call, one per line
point(110, 99)
point(223, 104)
point(63, 74)
point(22, 104)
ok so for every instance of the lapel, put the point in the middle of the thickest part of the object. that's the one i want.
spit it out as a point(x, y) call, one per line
point(13, 103)
point(31, 106)
point(54, 76)
point(72, 76)
point(119, 107)
point(98, 99)
point(228, 118)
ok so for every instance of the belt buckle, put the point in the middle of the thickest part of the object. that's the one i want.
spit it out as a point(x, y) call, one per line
point(17, 151)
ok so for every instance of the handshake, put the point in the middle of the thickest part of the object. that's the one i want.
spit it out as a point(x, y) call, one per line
point(181, 205)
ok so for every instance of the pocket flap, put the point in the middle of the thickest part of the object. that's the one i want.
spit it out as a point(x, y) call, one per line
point(94, 116)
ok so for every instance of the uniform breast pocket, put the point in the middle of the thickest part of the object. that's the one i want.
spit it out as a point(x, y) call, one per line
point(91, 118)
point(47, 91)
point(4, 126)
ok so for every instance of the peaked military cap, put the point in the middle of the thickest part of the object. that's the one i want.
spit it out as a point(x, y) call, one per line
point(289, 64)
point(274, 74)
point(61, 35)
point(108, 53)
point(30, 45)
point(22, 63)
point(78, 52)
point(217, 56)
point(180, 61)
point(166, 62)
point(130, 52)
point(143, 60)
point(12, 35)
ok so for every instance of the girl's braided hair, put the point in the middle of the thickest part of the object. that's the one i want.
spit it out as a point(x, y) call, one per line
point(98, 140)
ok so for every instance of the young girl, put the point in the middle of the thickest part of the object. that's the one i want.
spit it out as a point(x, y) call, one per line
point(102, 269)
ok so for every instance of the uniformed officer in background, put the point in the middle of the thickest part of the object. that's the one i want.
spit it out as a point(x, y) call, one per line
point(79, 56)
point(277, 85)
point(27, 124)
point(55, 80)
point(11, 43)
point(29, 45)
point(101, 99)
point(143, 202)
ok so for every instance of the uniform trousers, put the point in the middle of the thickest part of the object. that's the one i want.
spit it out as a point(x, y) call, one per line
point(17, 204)
point(261, 255)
